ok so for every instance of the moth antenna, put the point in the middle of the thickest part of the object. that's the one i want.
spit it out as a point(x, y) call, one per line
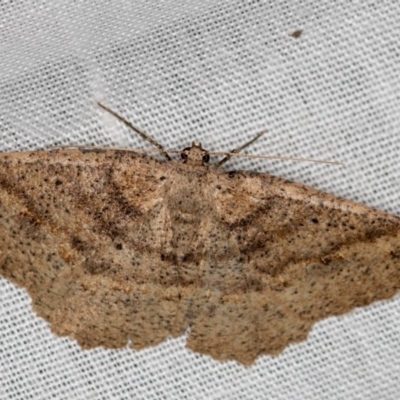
point(239, 149)
point(228, 155)
point(235, 153)
point(138, 150)
point(254, 156)
point(222, 153)
point(142, 134)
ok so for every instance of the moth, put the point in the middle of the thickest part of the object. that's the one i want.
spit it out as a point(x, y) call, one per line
point(116, 247)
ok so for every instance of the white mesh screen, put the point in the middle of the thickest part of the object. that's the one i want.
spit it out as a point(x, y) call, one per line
point(215, 72)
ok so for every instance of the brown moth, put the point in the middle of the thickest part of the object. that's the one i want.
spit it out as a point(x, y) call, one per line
point(297, 33)
point(117, 247)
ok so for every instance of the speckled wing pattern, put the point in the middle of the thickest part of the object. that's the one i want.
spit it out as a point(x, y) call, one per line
point(116, 247)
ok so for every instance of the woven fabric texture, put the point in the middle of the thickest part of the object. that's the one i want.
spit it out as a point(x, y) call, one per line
point(218, 73)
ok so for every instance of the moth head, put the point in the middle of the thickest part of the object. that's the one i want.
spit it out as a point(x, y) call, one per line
point(195, 155)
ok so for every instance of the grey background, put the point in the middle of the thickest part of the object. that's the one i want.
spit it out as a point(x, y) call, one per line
point(215, 72)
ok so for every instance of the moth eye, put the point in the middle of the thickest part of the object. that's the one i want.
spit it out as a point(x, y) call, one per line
point(206, 158)
point(184, 155)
